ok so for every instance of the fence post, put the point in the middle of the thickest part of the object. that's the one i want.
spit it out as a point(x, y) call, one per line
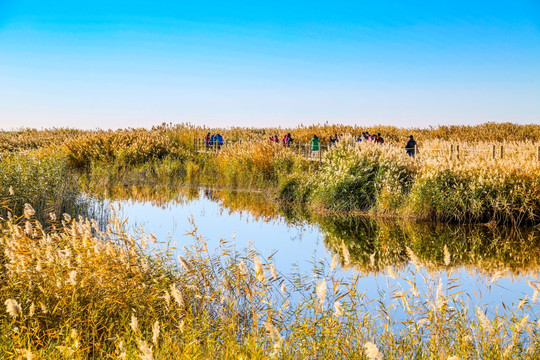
point(195, 144)
point(227, 143)
point(502, 152)
point(457, 150)
point(538, 152)
point(494, 152)
point(451, 151)
point(320, 154)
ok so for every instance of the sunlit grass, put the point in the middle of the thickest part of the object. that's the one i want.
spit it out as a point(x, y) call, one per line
point(80, 292)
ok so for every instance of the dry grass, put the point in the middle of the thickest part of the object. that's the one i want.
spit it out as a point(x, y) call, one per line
point(78, 293)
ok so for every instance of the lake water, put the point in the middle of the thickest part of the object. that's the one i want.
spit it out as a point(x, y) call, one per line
point(491, 266)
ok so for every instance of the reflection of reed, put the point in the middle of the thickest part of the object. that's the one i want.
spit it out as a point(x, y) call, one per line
point(256, 204)
point(372, 245)
point(160, 195)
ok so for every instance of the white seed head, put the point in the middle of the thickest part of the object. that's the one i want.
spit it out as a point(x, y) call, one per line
point(134, 323)
point(390, 271)
point(522, 302)
point(338, 309)
point(177, 295)
point(259, 271)
point(155, 332)
point(29, 211)
point(334, 262)
point(13, 308)
point(321, 291)
point(372, 352)
point(146, 351)
point(73, 277)
point(446, 256)
point(484, 320)
point(414, 259)
point(183, 263)
point(273, 272)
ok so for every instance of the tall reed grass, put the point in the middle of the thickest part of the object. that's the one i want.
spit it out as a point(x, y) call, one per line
point(40, 178)
point(79, 292)
point(482, 185)
point(381, 179)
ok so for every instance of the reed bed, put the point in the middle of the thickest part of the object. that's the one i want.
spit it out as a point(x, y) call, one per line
point(494, 177)
point(381, 179)
point(40, 178)
point(78, 292)
point(184, 134)
point(365, 177)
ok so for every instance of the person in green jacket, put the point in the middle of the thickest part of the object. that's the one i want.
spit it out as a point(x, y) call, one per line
point(315, 145)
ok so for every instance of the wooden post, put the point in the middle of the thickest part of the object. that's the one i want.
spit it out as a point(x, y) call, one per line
point(227, 143)
point(451, 151)
point(457, 151)
point(320, 153)
point(195, 144)
point(502, 152)
point(538, 152)
point(494, 152)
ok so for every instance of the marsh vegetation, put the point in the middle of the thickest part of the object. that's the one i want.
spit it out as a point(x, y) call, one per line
point(77, 286)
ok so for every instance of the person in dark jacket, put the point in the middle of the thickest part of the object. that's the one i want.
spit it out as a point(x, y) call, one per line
point(410, 147)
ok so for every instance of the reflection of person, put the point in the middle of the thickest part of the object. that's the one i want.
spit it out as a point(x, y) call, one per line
point(410, 147)
point(315, 145)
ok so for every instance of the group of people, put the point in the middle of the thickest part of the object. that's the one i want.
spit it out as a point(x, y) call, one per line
point(287, 139)
point(216, 140)
point(366, 136)
point(213, 140)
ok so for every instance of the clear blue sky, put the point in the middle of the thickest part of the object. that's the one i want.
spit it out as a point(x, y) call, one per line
point(112, 64)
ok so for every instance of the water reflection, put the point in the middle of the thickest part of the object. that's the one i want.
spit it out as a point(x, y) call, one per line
point(367, 244)
point(373, 245)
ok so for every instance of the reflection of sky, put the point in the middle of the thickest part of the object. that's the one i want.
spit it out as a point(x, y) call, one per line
point(303, 244)
point(294, 244)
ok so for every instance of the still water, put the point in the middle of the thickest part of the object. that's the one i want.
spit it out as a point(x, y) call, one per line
point(491, 266)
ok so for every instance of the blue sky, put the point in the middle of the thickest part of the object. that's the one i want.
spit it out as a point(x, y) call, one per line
point(112, 64)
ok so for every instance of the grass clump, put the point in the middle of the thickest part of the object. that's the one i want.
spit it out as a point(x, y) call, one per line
point(506, 191)
point(357, 177)
point(40, 178)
